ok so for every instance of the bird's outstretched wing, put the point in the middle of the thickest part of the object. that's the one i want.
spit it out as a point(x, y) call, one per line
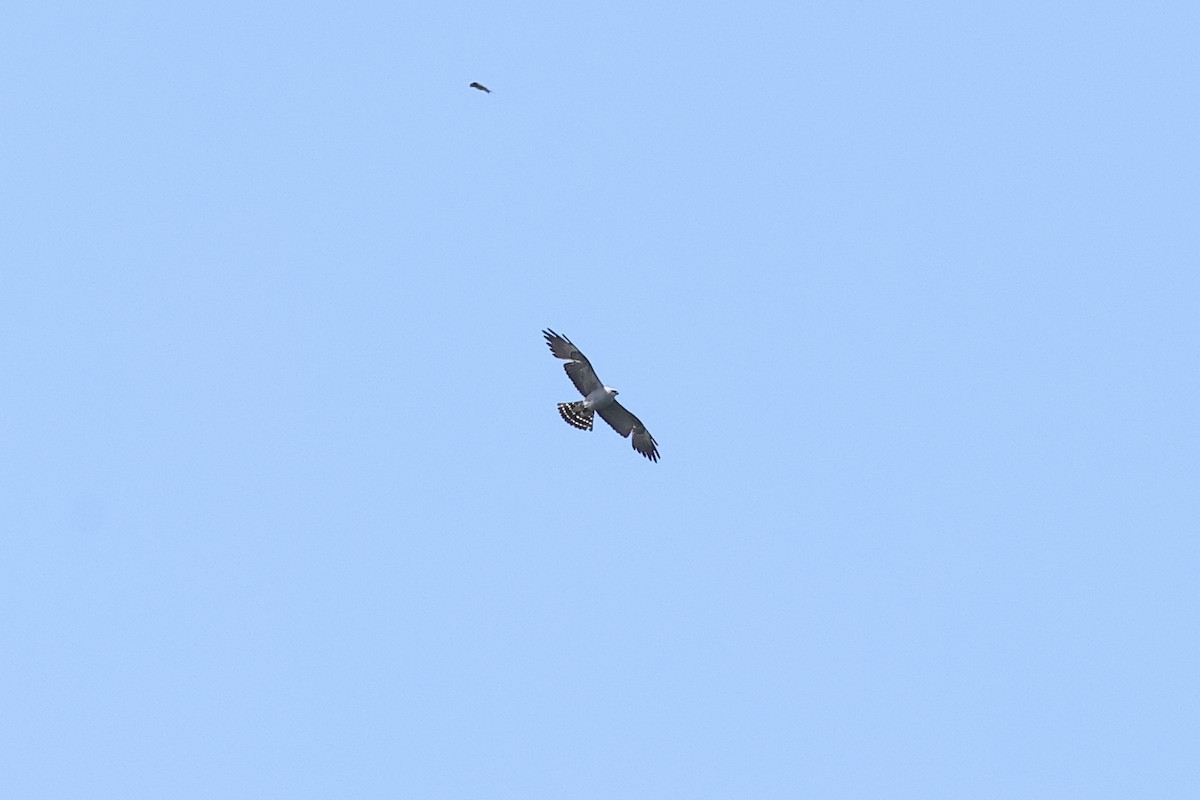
point(480, 87)
point(578, 368)
point(625, 423)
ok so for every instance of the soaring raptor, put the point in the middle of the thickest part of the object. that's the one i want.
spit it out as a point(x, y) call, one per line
point(596, 398)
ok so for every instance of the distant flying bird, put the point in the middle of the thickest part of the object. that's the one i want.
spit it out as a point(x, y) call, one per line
point(480, 87)
point(596, 398)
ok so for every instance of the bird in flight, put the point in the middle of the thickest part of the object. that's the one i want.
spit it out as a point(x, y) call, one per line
point(480, 87)
point(597, 398)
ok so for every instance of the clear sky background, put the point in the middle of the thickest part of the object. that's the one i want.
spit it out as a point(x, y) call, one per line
point(909, 294)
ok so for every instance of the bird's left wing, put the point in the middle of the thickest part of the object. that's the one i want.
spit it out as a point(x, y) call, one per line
point(624, 423)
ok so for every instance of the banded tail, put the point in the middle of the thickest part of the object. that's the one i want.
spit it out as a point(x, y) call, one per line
point(576, 415)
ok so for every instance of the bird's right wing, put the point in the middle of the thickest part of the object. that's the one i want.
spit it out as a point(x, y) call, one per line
point(578, 368)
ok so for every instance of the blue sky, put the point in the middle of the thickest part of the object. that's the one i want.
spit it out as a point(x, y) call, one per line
point(908, 295)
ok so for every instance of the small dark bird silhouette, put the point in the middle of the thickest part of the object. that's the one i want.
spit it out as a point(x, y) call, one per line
point(480, 87)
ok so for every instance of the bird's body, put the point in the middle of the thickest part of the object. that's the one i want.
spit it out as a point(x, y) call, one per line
point(597, 398)
point(601, 398)
point(480, 87)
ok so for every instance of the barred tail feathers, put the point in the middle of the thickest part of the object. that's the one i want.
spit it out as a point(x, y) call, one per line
point(576, 415)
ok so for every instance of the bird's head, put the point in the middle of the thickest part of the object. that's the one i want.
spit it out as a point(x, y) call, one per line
point(611, 391)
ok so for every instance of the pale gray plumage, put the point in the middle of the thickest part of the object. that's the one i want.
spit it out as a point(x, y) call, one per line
point(597, 398)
